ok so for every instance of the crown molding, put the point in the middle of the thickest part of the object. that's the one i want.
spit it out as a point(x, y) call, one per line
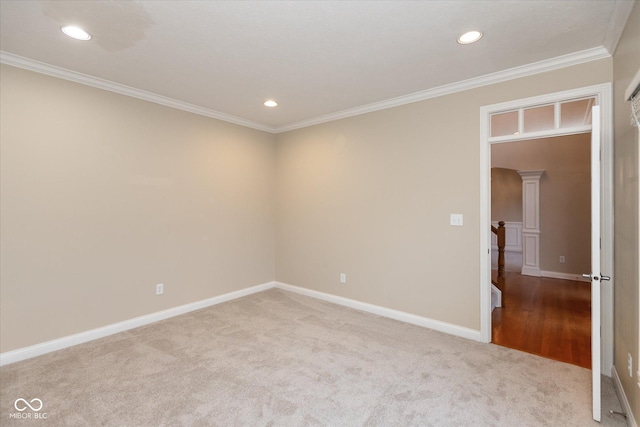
point(568, 60)
point(63, 73)
point(476, 82)
point(621, 12)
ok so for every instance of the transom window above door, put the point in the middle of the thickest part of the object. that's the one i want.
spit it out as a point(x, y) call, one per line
point(572, 116)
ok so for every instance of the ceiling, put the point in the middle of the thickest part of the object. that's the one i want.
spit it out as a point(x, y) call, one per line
point(319, 60)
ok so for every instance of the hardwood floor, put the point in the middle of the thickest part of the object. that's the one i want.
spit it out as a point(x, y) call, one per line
point(547, 317)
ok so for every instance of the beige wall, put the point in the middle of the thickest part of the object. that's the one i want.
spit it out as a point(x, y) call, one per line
point(565, 196)
point(626, 62)
point(370, 196)
point(104, 195)
point(506, 195)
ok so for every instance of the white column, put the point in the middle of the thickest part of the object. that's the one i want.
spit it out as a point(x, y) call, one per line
point(531, 222)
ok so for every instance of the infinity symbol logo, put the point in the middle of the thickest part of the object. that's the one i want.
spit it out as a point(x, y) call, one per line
point(36, 407)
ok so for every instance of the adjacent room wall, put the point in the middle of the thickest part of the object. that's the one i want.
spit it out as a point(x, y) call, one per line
point(626, 63)
point(370, 196)
point(506, 205)
point(506, 195)
point(565, 196)
point(104, 196)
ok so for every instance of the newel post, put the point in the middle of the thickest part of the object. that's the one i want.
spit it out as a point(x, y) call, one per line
point(501, 245)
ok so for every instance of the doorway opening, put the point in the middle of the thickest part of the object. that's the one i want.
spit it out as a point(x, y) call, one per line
point(545, 302)
point(545, 118)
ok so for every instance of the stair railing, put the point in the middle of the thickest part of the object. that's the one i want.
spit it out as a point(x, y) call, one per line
point(501, 233)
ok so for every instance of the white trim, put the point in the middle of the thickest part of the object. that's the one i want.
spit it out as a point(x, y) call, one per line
point(533, 174)
point(485, 231)
point(550, 98)
point(551, 64)
point(568, 60)
point(564, 276)
point(402, 316)
point(530, 271)
point(94, 334)
point(74, 76)
point(523, 136)
point(606, 229)
point(617, 22)
point(603, 94)
point(624, 402)
point(530, 222)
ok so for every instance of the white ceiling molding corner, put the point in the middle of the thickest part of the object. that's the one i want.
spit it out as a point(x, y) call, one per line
point(568, 60)
point(621, 13)
point(62, 73)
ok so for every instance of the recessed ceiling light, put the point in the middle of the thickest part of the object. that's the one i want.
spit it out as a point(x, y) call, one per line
point(470, 37)
point(270, 103)
point(76, 32)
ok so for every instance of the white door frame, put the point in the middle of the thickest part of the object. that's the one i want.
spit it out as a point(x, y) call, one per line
point(594, 276)
point(603, 95)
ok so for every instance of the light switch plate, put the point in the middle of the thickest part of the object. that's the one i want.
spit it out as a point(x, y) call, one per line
point(456, 219)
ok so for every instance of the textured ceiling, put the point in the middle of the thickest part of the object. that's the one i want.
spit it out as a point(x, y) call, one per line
point(314, 58)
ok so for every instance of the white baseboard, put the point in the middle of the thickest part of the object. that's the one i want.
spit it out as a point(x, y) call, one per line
point(402, 316)
point(93, 334)
point(531, 271)
point(626, 407)
point(564, 276)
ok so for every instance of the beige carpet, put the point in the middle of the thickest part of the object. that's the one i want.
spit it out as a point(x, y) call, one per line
point(281, 359)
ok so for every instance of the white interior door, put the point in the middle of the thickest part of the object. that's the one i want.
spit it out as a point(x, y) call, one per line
point(602, 341)
point(595, 275)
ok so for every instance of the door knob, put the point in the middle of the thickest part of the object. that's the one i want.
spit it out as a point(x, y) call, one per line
point(603, 277)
